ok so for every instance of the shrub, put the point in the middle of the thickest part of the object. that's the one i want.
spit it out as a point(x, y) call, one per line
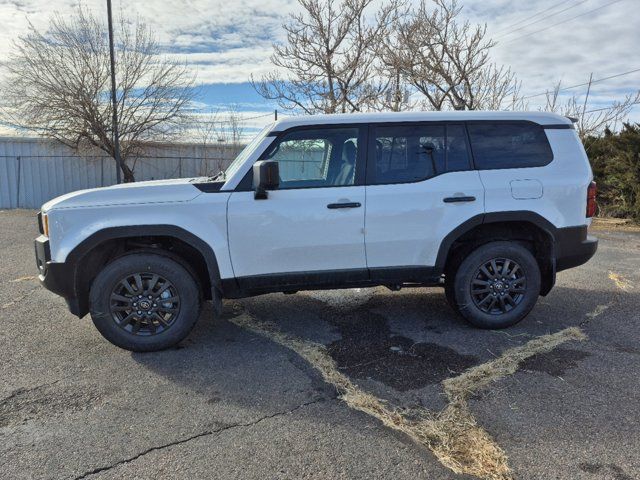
point(615, 160)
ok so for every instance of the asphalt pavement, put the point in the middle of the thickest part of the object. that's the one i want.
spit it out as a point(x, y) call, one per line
point(231, 403)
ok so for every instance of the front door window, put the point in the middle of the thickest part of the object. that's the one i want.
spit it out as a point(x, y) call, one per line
point(316, 158)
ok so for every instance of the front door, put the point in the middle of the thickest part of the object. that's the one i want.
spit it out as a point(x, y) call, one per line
point(311, 229)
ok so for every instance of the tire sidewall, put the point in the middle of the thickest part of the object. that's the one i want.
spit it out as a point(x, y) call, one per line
point(104, 283)
point(469, 266)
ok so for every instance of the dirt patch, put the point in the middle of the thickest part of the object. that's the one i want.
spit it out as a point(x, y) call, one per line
point(24, 405)
point(555, 363)
point(368, 349)
point(399, 362)
point(453, 434)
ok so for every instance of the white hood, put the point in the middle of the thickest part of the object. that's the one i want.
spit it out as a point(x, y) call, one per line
point(155, 191)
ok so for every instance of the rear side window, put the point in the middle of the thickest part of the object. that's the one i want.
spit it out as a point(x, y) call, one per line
point(413, 153)
point(509, 145)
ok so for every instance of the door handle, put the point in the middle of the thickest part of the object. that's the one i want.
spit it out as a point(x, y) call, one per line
point(344, 205)
point(458, 199)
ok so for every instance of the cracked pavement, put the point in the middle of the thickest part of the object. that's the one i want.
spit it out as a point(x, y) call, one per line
point(229, 403)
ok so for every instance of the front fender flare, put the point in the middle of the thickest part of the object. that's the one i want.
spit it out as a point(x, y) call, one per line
point(111, 233)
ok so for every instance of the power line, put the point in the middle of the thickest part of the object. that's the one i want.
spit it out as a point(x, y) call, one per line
point(270, 114)
point(584, 84)
point(543, 18)
point(608, 108)
point(564, 21)
point(529, 18)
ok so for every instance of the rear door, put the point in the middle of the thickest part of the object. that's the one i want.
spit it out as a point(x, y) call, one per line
point(311, 229)
point(420, 187)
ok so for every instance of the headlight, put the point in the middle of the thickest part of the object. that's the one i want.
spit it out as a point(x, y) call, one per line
point(45, 224)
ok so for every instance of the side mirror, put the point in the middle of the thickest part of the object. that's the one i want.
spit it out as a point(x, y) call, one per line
point(266, 176)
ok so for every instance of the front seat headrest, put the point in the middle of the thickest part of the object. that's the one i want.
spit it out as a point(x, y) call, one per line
point(349, 151)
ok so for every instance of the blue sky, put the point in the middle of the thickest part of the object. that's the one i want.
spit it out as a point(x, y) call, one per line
point(241, 94)
point(227, 41)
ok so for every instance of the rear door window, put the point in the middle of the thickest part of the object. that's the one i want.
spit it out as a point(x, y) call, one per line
point(498, 145)
point(412, 153)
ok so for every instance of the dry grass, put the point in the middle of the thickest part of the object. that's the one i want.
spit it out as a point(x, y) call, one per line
point(599, 310)
point(23, 279)
point(614, 224)
point(621, 282)
point(452, 434)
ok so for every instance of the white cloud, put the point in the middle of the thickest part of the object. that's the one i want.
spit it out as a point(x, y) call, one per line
point(603, 42)
point(227, 41)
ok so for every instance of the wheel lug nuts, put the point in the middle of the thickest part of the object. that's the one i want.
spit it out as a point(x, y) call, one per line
point(150, 297)
point(154, 305)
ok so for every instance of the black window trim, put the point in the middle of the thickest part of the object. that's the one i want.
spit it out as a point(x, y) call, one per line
point(366, 133)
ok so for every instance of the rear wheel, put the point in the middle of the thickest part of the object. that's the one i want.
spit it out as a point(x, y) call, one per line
point(144, 302)
point(496, 285)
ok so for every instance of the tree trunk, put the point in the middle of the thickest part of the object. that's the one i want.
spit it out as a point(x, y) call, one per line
point(128, 173)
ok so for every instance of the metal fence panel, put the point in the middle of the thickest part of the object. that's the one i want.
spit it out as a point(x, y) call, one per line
point(33, 171)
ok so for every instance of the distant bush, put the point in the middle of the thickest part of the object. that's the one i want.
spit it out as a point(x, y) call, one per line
point(615, 160)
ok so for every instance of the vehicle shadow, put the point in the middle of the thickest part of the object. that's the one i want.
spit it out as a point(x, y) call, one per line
point(405, 341)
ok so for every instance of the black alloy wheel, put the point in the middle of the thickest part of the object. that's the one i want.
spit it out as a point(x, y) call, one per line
point(495, 285)
point(498, 286)
point(144, 303)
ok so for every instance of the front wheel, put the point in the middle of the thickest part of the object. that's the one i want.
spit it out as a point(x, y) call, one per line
point(144, 302)
point(497, 285)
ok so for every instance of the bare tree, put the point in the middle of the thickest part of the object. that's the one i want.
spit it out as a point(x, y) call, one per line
point(57, 84)
point(397, 93)
point(590, 121)
point(219, 132)
point(230, 127)
point(448, 61)
point(329, 61)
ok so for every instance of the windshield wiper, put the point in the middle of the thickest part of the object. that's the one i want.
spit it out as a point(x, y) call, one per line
point(218, 176)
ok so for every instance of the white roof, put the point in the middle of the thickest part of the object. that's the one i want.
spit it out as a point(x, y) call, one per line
point(542, 118)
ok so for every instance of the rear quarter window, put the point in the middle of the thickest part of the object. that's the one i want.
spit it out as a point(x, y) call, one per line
point(509, 145)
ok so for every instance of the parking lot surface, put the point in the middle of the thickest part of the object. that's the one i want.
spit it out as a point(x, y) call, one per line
point(237, 401)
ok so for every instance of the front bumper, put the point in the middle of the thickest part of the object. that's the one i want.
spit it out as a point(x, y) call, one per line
point(56, 277)
point(574, 246)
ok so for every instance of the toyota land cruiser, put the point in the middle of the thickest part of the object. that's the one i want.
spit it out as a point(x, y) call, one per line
point(490, 205)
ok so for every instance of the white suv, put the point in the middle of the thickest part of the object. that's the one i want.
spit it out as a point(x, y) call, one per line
point(489, 205)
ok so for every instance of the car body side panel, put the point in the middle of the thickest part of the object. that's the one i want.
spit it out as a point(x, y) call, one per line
point(564, 183)
point(205, 217)
point(406, 223)
point(294, 231)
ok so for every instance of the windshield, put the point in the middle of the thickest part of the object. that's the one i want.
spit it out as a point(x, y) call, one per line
point(246, 152)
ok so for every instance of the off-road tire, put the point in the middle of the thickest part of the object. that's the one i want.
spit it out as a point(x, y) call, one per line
point(108, 318)
point(522, 287)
